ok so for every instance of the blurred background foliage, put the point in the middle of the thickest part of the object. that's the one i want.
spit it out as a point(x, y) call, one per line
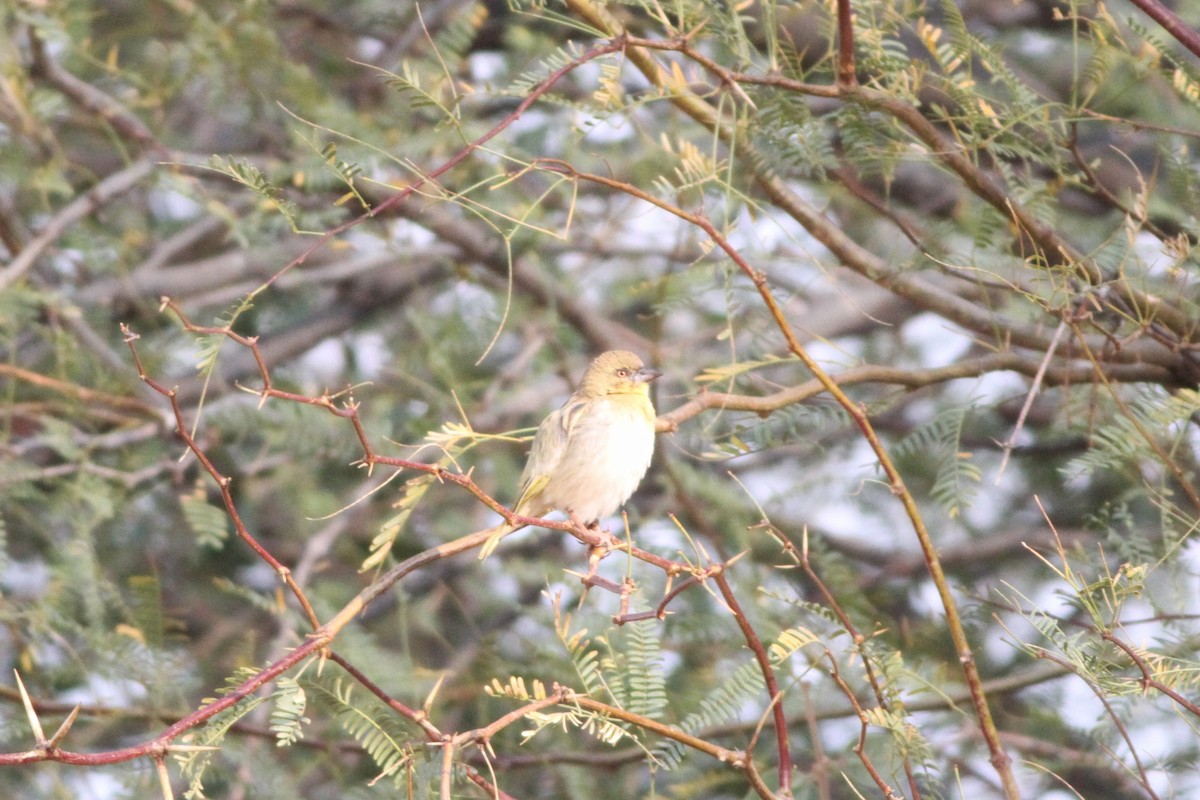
point(990, 240)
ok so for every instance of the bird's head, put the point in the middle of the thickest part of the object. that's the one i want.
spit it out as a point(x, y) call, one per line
point(617, 372)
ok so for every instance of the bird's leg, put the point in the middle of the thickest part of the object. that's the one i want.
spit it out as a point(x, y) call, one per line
point(600, 543)
point(609, 541)
point(580, 525)
point(590, 534)
point(596, 554)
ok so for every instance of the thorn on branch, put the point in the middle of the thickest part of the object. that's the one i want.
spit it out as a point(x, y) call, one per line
point(61, 733)
point(35, 724)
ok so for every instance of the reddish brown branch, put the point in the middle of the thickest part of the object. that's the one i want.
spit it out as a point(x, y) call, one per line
point(418, 718)
point(161, 743)
point(800, 556)
point(768, 672)
point(860, 747)
point(846, 70)
point(1148, 679)
point(1171, 23)
point(1112, 715)
point(223, 481)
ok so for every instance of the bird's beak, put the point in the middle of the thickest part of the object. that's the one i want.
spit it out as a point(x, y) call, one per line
point(645, 375)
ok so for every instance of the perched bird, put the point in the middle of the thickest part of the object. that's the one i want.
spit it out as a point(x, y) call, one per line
point(590, 454)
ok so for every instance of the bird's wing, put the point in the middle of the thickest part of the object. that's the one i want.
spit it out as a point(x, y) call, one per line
point(549, 444)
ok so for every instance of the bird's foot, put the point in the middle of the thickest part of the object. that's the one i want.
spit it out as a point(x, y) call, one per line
point(580, 525)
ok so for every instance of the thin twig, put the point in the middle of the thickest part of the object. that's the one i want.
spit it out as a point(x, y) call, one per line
point(846, 71)
point(1011, 442)
point(1171, 23)
point(1182, 479)
point(1103, 192)
point(820, 759)
point(82, 206)
point(224, 483)
point(1144, 779)
point(1148, 679)
point(768, 672)
point(801, 556)
point(860, 747)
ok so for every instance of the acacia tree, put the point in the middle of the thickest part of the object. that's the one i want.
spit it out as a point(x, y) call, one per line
point(920, 276)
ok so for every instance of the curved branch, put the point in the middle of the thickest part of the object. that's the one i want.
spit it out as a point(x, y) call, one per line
point(911, 378)
point(1171, 23)
point(82, 206)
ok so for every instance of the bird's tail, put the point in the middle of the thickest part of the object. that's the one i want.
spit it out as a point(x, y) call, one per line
point(497, 533)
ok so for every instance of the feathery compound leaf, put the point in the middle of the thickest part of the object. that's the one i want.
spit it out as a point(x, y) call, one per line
point(209, 524)
point(287, 717)
point(549, 63)
point(643, 668)
point(194, 763)
point(586, 659)
point(960, 38)
point(725, 703)
point(1123, 441)
point(956, 478)
point(370, 724)
point(208, 347)
point(514, 689)
point(147, 609)
point(251, 177)
point(346, 172)
point(789, 642)
point(381, 546)
point(589, 722)
point(456, 35)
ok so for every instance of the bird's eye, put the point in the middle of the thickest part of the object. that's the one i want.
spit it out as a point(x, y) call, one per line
point(622, 373)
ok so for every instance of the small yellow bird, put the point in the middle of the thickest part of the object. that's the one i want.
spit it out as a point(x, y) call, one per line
point(590, 455)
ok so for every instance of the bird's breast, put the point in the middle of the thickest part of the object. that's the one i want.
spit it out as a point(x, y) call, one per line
point(607, 455)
